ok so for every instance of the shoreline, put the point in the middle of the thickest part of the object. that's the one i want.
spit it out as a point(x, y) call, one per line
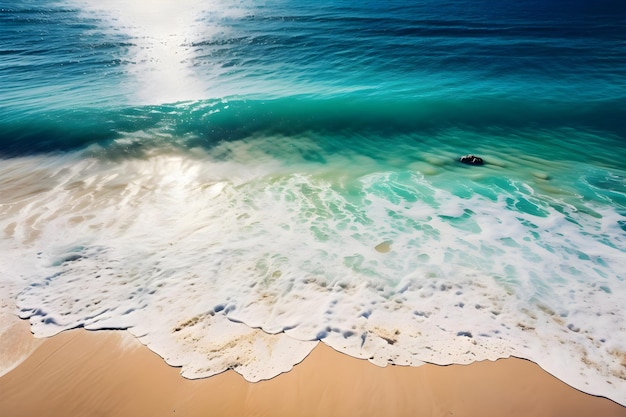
point(110, 373)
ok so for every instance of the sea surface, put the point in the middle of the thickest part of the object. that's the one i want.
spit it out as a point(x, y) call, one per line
point(234, 182)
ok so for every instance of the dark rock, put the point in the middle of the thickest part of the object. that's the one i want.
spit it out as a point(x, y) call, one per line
point(471, 160)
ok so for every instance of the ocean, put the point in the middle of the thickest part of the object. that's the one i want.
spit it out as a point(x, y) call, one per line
point(234, 182)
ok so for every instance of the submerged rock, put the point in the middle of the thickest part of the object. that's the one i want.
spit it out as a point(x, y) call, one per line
point(383, 247)
point(471, 160)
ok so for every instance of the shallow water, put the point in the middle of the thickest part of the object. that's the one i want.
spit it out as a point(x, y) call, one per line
point(234, 183)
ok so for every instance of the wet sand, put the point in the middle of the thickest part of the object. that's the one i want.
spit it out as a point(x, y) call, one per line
point(109, 373)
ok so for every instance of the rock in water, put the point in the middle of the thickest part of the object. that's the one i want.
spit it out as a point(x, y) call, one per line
point(471, 160)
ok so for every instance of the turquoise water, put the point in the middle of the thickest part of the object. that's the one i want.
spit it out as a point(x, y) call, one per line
point(234, 182)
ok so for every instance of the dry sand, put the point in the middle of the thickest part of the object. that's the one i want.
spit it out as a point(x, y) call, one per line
point(109, 373)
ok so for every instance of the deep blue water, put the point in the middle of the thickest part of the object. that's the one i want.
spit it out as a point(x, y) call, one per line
point(69, 76)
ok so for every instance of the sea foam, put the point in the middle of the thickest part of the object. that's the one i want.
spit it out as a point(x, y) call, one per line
point(247, 262)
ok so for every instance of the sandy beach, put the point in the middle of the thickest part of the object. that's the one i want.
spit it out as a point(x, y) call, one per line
point(109, 373)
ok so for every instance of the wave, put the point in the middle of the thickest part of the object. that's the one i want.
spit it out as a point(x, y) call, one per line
point(208, 122)
point(246, 262)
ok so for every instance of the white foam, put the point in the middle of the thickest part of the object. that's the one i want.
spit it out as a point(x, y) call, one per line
point(246, 264)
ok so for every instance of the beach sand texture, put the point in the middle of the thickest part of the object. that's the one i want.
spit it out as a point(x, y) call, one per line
point(109, 373)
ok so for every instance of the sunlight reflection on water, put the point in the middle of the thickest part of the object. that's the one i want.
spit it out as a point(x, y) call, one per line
point(161, 34)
